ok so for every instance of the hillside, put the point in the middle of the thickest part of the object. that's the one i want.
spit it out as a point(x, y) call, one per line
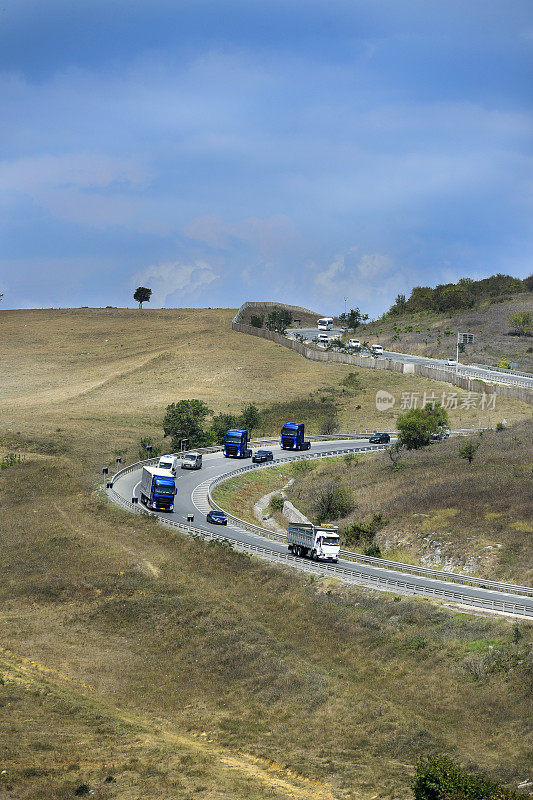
point(434, 334)
point(135, 662)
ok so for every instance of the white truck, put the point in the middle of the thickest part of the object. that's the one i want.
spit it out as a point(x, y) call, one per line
point(158, 488)
point(319, 542)
point(191, 461)
point(168, 462)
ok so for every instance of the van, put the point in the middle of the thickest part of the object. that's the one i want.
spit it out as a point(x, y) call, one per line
point(377, 349)
point(169, 462)
point(354, 343)
point(192, 461)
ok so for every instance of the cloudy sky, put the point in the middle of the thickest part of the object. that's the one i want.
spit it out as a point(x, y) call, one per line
point(300, 151)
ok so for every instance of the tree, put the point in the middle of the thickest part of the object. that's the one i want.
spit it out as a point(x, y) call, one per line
point(257, 320)
point(250, 418)
point(220, 424)
point(468, 450)
point(418, 424)
point(279, 320)
point(142, 295)
point(185, 420)
point(522, 322)
point(353, 318)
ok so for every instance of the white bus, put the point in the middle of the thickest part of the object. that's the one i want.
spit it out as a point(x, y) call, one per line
point(325, 324)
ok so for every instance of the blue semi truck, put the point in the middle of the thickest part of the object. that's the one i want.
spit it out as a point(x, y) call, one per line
point(158, 488)
point(292, 437)
point(236, 444)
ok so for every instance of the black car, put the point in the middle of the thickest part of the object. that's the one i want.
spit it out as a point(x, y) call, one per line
point(262, 455)
point(217, 518)
point(379, 438)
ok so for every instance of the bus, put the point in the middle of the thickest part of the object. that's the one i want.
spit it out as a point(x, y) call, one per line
point(325, 324)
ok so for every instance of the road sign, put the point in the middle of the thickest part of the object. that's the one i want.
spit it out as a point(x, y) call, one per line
point(465, 338)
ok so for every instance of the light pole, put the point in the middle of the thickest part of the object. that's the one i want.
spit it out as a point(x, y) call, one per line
point(345, 299)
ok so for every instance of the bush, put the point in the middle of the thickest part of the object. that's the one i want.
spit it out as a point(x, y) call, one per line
point(439, 778)
point(257, 320)
point(276, 502)
point(417, 425)
point(145, 443)
point(331, 502)
point(185, 420)
point(373, 550)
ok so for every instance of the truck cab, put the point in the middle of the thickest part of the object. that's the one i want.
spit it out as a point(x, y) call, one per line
point(292, 437)
point(236, 444)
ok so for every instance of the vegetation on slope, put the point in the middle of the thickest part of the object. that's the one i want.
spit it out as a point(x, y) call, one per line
point(178, 669)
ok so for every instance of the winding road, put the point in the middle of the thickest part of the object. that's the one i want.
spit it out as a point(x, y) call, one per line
point(193, 499)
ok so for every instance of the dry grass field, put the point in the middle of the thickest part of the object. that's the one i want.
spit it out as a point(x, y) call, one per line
point(141, 664)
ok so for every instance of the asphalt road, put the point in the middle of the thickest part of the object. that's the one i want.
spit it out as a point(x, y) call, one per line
point(474, 371)
point(192, 499)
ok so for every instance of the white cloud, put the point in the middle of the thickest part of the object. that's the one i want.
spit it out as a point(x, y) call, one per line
point(172, 277)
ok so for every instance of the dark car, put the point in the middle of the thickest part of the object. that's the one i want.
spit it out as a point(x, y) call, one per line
point(379, 438)
point(438, 436)
point(217, 518)
point(262, 455)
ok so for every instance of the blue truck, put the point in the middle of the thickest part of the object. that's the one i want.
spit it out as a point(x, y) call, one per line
point(236, 444)
point(292, 437)
point(158, 488)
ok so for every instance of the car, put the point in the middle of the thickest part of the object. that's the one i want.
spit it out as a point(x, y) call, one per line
point(451, 362)
point(323, 337)
point(377, 349)
point(354, 343)
point(217, 518)
point(262, 455)
point(379, 438)
point(442, 433)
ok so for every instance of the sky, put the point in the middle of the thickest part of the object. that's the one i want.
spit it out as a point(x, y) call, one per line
point(297, 151)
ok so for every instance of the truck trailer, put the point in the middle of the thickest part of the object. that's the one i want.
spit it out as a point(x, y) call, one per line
point(292, 437)
point(236, 444)
point(158, 488)
point(316, 541)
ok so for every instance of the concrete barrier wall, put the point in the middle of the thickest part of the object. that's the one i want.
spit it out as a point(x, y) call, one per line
point(446, 376)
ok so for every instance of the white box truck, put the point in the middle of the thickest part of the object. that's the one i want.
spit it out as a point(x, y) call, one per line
point(191, 461)
point(319, 542)
point(158, 488)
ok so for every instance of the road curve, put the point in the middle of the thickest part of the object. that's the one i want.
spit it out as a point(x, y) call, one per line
point(192, 498)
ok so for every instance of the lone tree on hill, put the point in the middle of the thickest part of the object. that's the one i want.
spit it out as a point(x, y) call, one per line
point(142, 295)
point(522, 322)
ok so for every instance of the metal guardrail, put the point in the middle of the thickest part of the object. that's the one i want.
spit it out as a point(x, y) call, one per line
point(360, 558)
point(383, 582)
point(347, 575)
point(504, 370)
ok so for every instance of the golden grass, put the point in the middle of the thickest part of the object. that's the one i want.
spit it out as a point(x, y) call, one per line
point(187, 670)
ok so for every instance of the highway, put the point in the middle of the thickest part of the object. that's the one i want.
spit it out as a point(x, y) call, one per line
point(472, 370)
point(192, 499)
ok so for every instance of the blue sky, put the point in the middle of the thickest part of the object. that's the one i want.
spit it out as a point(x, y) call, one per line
point(294, 151)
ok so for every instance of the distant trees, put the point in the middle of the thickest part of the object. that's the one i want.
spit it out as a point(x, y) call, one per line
point(521, 322)
point(417, 425)
point(353, 318)
point(464, 294)
point(250, 417)
point(142, 295)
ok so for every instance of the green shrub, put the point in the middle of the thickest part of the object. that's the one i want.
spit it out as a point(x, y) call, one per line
point(276, 502)
point(257, 320)
point(331, 501)
point(439, 778)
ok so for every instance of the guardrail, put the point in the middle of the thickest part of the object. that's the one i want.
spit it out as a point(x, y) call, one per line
point(360, 558)
point(348, 575)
